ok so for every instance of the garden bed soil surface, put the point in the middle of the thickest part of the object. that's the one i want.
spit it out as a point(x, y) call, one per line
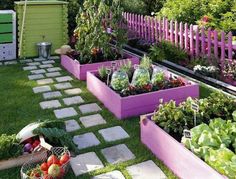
point(174, 155)
point(80, 70)
point(134, 105)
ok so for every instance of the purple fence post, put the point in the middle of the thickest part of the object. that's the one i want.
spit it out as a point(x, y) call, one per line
point(191, 41)
point(149, 29)
point(171, 32)
point(215, 43)
point(176, 33)
point(132, 21)
point(209, 43)
point(142, 26)
point(197, 42)
point(181, 35)
point(145, 28)
point(129, 19)
point(186, 36)
point(164, 28)
point(167, 29)
point(135, 24)
point(203, 41)
point(160, 30)
point(222, 48)
point(153, 29)
point(156, 32)
point(230, 46)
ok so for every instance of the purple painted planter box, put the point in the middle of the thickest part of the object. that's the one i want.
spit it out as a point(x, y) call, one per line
point(123, 107)
point(80, 70)
point(175, 156)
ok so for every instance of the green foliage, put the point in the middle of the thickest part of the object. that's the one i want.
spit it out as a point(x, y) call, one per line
point(92, 23)
point(53, 124)
point(102, 72)
point(173, 118)
point(146, 62)
point(9, 147)
point(211, 143)
point(119, 80)
point(141, 77)
point(127, 68)
point(167, 51)
point(56, 137)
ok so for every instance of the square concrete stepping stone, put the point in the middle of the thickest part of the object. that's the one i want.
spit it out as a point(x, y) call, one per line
point(48, 62)
point(92, 120)
point(72, 125)
point(113, 134)
point(89, 108)
point(46, 66)
point(45, 81)
point(61, 86)
point(117, 154)
point(85, 163)
point(39, 59)
point(10, 63)
point(50, 104)
point(64, 79)
point(54, 69)
point(53, 74)
point(74, 91)
point(1, 63)
point(86, 140)
point(146, 169)
point(110, 175)
point(35, 77)
point(34, 63)
point(50, 95)
point(26, 61)
point(41, 89)
point(73, 100)
point(29, 68)
point(38, 71)
point(65, 112)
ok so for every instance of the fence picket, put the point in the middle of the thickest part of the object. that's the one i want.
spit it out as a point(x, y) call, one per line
point(209, 43)
point(176, 33)
point(230, 46)
point(167, 29)
point(181, 35)
point(186, 36)
point(215, 43)
point(197, 42)
point(164, 28)
point(191, 41)
point(222, 47)
point(203, 41)
point(171, 32)
point(160, 29)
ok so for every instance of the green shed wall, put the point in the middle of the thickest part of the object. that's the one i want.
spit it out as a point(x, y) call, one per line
point(45, 21)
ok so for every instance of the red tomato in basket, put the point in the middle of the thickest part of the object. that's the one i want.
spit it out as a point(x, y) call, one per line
point(53, 160)
point(64, 159)
point(44, 166)
point(36, 143)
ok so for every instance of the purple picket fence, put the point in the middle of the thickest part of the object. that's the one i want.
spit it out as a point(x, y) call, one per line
point(195, 40)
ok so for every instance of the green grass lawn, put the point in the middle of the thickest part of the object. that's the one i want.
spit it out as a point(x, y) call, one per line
point(19, 106)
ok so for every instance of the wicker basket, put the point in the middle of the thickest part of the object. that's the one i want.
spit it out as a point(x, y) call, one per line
point(58, 151)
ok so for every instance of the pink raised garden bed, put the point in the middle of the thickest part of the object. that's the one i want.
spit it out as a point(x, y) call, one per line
point(175, 156)
point(80, 70)
point(124, 107)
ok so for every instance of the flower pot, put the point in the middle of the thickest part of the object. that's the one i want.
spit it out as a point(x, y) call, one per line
point(135, 105)
point(174, 155)
point(80, 70)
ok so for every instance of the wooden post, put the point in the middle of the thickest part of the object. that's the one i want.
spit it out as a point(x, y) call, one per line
point(197, 42)
point(191, 41)
point(181, 36)
point(230, 46)
point(186, 36)
point(215, 43)
point(209, 43)
point(167, 29)
point(222, 48)
point(176, 33)
point(171, 32)
point(203, 41)
point(160, 30)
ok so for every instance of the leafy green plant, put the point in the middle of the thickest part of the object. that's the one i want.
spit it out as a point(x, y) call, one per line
point(102, 71)
point(156, 53)
point(119, 80)
point(93, 22)
point(127, 67)
point(9, 146)
point(146, 62)
point(141, 77)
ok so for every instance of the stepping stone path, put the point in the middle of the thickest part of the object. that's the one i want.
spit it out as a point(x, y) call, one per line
point(74, 91)
point(51, 95)
point(147, 170)
point(62, 94)
point(64, 79)
point(85, 163)
point(65, 112)
point(45, 81)
point(89, 108)
point(72, 125)
point(35, 77)
point(53, 74)
point(73, 100)
point(61, 86)
point(50, 104)
point(113, 134)
point(117, 154)
point(41, 89)
point(92, 120)
point(111, 175)
point(10, 63)
point(86, 140)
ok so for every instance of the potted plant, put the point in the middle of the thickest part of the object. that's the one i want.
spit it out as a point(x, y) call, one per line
point(139, 92)
point(162, 131)
point(98, 22)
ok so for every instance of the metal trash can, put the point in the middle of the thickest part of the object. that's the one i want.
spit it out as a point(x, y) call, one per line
point(44, 49)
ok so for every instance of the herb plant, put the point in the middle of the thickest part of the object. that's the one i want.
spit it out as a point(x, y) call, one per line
point(119, 80)
point(141, 77)
point(102, 72)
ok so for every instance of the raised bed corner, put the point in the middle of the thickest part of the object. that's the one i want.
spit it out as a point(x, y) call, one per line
point(174, 155)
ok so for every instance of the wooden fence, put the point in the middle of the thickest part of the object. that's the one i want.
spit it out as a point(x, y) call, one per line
point(195, 40)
